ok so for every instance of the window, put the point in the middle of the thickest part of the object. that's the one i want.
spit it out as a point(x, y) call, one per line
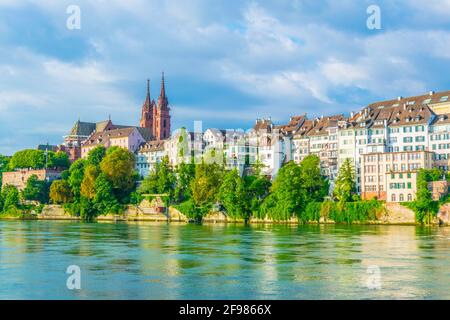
point(402, 198)
point(409, 185)
point(393, 198)
point(409, 197)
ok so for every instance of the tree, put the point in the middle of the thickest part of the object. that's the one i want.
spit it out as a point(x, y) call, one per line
point(206, 184)
point(60, 192)
point(185, 173)
point(30, 158)
point(96, 155)
point(118, 166)
point(233, 196)
point(104, 200)
point(424, 206)
point(58, 160)
point(36, 190)
point(313, 183)
point(76, 175)
point(160, 180)
point(345, 183)
point(91, 173)
point(286, 196)
point(4, 164)
point(257, 187)
point(11, 197)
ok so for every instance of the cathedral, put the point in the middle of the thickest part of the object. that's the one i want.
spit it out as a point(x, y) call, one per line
point(156, 115)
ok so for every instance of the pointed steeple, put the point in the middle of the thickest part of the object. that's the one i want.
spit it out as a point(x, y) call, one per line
point(163, 102)
point(147, 110)
point(163, 87)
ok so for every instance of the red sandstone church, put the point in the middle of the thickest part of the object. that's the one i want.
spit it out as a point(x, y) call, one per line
point(156, 117)
point(154, 125)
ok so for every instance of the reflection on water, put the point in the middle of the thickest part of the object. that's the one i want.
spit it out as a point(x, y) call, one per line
point(161, 261)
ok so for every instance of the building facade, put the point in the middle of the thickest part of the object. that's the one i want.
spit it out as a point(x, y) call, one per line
point(19, 178)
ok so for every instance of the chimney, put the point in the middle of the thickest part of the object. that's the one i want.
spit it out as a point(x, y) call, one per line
point(351, 114)
point(399, 98)
point(431, 93)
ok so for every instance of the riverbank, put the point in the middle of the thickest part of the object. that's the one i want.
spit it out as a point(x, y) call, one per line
point(392, 214)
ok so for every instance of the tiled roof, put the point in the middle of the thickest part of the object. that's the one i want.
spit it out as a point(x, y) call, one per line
point(430, 98)
point(145, 133)
point(304, 129)
point(101, 138)
point(263, 124)
point(320, 126)
point(152, 146)
point(44, 147)
point(82, 129)
point(294, 124)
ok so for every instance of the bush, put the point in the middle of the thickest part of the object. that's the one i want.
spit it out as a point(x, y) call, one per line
point(312, 212)
point(191, 211)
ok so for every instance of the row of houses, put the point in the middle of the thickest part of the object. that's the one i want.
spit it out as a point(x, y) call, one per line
point(387, 142)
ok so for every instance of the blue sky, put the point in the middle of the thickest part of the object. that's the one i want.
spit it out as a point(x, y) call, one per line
point(227, 62)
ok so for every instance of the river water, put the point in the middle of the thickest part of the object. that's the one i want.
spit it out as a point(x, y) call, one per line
point(178, 261)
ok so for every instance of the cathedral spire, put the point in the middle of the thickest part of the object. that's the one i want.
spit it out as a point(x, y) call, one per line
point(148, 88)
point(163, 87)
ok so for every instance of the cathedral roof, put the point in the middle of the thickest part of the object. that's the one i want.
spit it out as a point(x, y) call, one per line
point(82, 128)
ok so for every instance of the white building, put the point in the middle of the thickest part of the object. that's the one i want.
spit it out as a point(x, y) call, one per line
point(148, 155)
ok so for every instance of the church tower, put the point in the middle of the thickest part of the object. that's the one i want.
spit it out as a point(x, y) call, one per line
point(161, 115)
point(147, 119)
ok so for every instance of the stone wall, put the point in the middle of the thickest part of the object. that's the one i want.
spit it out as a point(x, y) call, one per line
point(55, 212)
point(444, 214)
point(398, 214)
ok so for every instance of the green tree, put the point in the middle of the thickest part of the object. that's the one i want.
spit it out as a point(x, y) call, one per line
point(104, 200)
point(91, 173)
point(424, 206)
point(36, 190)
point(4, 164)
point(96, 155)
point(30, 158)
point(315, 186)
point(76, 175)
point(11, 197)
point(257, 188)
point(185, 174)
point(58, 160)
point(160, 180)
point(60, 192)
point(206, 184)
point(345, 183)
point(233, 196)
point(119, 168)
point(286, 196)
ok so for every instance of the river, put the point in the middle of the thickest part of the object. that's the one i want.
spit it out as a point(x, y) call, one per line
point(178, 261)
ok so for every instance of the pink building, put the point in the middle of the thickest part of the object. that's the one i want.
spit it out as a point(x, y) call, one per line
point(128, 138)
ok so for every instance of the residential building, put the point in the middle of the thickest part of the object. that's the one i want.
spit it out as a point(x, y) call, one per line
point(128, 138)
point(148, 155)
point(391, 176)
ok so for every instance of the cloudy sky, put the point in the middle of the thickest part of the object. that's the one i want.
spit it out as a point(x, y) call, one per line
point(226, 62)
